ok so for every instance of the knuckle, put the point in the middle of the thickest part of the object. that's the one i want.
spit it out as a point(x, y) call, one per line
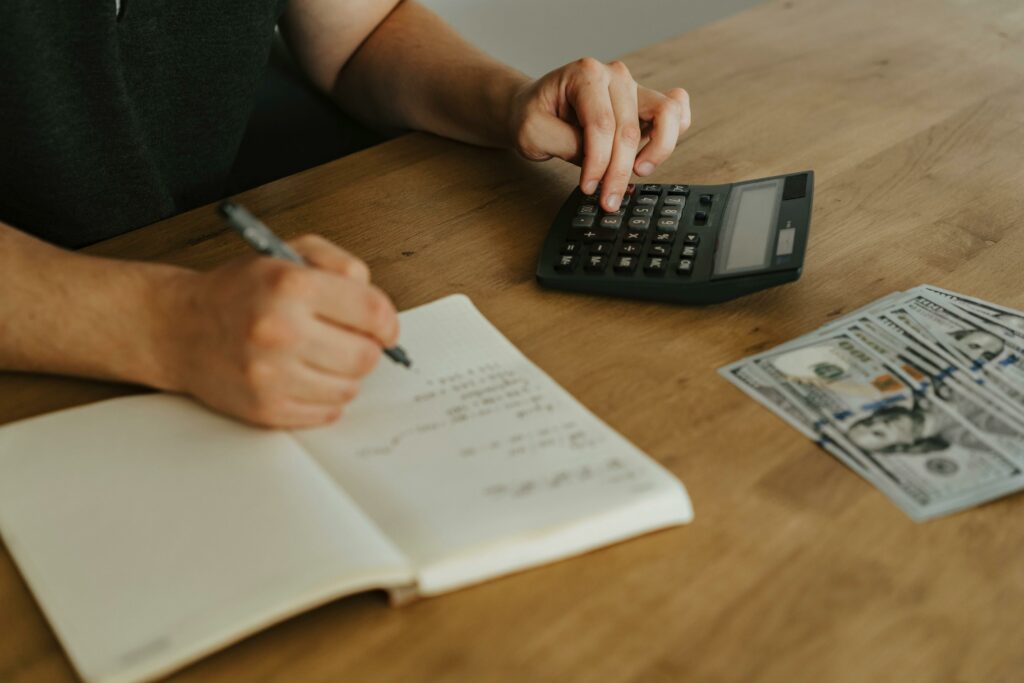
point(332, 415)
point(348, 391)
point(358, 269)
point(619, 176)
point(619, 68)
point(310, 240)
point(603, 123)
point(258, 377)
point(630, 133)
point(271, 331)
point(366, 357)
point(379, 313)
point(289, 281)
point(670, 107)
point(590, 66)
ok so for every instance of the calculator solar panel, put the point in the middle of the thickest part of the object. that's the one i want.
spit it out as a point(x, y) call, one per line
point(694, 244)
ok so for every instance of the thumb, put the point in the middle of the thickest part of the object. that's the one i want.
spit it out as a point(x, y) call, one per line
point(546, 136)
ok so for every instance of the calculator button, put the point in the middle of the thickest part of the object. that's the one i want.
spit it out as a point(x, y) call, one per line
point(706, 199)
point(651, 188)
point(571, 248)
point(565, 263)
point(670, 212)
point(639, 223)
point(592, 234)
point(647, 199)
point(587, 210)
point(616, 212)
point(655, 264)
point(662, 250)
point(668, 223)
point(679, 189)
point(625, 264)
point(582, 221)
point(689, 252)
point(700, 218)
point(685, 267)
point(634, 235)
point(611, 221)
point(691, 238)
point(674, 200)
point(661, 237)
point(626, 199)
point(630, 249)
point(599, 248)
point(595, 264)
point(643, 210)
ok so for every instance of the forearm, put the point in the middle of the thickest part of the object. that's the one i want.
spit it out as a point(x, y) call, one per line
point(67, 313)
point(415, 72)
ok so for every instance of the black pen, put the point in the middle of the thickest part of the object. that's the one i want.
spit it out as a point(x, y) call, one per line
point(261, 238)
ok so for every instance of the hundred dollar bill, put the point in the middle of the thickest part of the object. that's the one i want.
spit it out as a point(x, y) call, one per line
point(912, 343)
point(899, 321)
point(1009, 319)
point(938, 385)
point(973, 343)
point(752, 380)
point(936, 461)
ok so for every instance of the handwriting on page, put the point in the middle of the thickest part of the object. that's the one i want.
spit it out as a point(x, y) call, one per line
point(476, 393)
point(528, 424)
point(612, 471)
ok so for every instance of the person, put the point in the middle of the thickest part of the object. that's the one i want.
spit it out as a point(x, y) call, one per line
point(898, 429)
point(120, 113)
point(978, 345)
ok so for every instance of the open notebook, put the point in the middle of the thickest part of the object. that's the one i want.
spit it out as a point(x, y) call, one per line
point(152, 531)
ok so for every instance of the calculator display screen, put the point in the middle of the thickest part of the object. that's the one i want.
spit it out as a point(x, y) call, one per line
point(749, 228)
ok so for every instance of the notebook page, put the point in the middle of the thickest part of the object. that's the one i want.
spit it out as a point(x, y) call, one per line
point(475, 451)
point(152, 531)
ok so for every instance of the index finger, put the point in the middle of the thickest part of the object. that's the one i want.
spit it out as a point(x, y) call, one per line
point(594, 111)
point(356, 306)
point(322, 253)
point(623, 95)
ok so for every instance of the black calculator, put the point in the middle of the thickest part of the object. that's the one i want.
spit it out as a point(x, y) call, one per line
point(690, 244)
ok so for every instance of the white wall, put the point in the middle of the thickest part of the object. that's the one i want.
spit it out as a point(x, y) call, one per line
point(538, 35)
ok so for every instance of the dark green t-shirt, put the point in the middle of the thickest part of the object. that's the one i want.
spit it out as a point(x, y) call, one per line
point(110, 122)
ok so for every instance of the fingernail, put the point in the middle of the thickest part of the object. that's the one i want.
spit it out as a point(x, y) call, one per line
point(613, 201)
point(645, 168)
point(589, 186)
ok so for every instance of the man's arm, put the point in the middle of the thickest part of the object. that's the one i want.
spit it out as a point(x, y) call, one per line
point(398, 65)
point(264, 340)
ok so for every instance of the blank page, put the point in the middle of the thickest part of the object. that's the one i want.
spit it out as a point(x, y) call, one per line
point(476, 463)
point(152, 531)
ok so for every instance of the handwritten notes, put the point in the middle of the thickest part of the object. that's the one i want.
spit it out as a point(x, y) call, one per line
point(471, 395)
point(475, 443)
point(497, 412)
point(609, 471)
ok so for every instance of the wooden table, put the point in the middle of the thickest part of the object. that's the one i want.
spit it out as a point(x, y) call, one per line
point(912, 115)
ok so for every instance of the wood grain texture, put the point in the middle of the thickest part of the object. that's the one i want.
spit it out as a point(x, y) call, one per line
point(912, 116)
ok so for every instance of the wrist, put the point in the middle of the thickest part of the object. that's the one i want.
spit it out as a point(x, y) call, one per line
point(506, 92)
point(170, 293)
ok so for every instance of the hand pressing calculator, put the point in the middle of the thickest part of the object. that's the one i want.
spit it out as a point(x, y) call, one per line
point(691, 244)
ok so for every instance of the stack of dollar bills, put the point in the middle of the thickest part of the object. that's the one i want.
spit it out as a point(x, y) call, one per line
point(921, 393)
